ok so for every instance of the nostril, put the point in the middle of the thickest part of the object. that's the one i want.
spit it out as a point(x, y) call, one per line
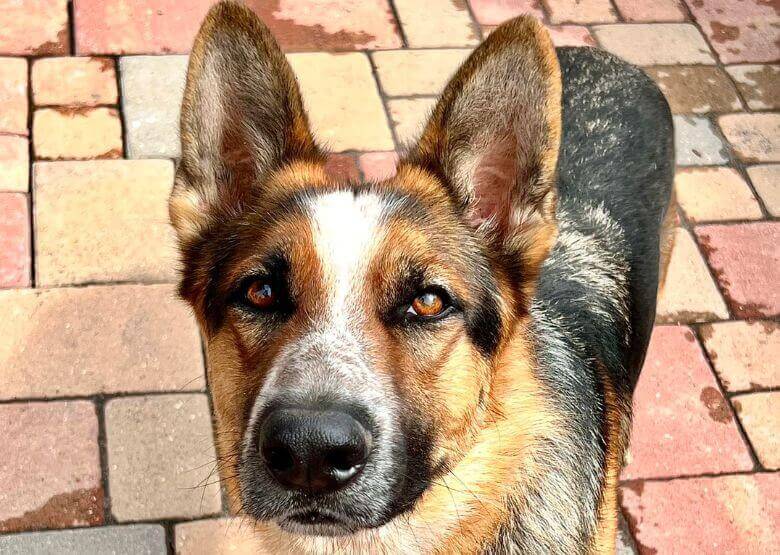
point(345, 458)
point(279, 458)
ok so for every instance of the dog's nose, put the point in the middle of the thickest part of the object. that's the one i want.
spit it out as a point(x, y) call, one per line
point(317, 451)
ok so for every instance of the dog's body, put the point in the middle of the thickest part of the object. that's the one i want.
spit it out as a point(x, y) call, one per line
point(444, 361)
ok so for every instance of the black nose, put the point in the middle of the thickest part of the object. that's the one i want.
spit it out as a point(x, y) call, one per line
point(317, 451)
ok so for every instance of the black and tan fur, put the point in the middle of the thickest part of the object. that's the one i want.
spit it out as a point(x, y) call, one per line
point(535, 196)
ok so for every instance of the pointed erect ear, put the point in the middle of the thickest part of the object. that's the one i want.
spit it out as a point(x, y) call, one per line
point(242, 117)
point(493, 138)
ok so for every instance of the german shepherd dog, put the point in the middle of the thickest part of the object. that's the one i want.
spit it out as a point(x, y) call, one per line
point(441, 362)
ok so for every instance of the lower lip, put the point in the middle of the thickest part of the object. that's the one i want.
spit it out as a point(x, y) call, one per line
point(314, 523)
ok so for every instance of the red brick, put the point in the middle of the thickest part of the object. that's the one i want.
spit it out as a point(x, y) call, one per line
point(682, 423)
point(14, 163)
point(14, 240)
point(494, 12)
point(655, 10)
point(378, 165)
point(167, 26)
point(571, 35)
point(13, 95)
point(50, 466)
point(746, 261)
point(726, 514)
point(34, 27)
point(743, 31)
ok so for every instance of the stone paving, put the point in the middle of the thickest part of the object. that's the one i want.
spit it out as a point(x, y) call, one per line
point(105, 419)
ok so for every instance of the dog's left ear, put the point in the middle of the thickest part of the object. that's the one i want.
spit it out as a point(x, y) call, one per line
point(242, 118)
point(494, 136)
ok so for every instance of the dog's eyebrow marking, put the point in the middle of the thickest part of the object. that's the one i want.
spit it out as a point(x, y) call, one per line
point(346, 226)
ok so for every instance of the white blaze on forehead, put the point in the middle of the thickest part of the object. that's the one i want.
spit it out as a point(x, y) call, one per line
point(346, 227)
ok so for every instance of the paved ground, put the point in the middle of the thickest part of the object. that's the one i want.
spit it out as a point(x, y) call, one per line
point(104, 416)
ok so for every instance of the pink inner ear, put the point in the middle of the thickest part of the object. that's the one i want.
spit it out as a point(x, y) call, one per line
point(495, 182)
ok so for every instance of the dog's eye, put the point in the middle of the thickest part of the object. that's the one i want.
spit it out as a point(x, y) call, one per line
point(428, 305)
point(260, 294)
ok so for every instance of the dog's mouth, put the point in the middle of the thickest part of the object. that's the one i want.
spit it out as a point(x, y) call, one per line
point(316, 523)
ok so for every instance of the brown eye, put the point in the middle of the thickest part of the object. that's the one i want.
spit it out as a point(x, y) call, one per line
point(260, 294)
point(427, 305)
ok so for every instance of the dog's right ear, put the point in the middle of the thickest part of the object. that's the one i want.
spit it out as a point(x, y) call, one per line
point(242, 118)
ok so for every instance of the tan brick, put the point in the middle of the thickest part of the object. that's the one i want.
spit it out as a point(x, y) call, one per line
point(13, 95)
point(436, 23)
point(50, 466)
point(754, 137)
point(656, 44)
point(759, 85)
point(77, 133)
point(760, 416)
point(80, 81)
point(99, 339)
point(766, 180)
point(344, 106)
point(696, 89)
point(657, 10)
point(571, 35)
point(745, 354)
point(408, 116)
point(689, 294)
point(219, 536)
point(14, 164)
point(581, 11)
point(411, 72)
point(714, 194)
point(160, 457)
point(103, 221)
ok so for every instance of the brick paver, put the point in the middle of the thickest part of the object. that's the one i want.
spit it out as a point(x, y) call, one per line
point(696, 89)
point(95, 349)
point(217, 536)
point(696, 142)
point(436, 23)
point(15, 254)
point(682, 423)
point(726, 514)
point(712, 194)
point(152, 90)
point(34, 27)
point(99, 339)
point(51, 448)
point(135, 539)
point(14, 163)
point(103, 221)
point(745, 354)
point(13, 96)
point(754, 137)
point(160, 457)
point(77, 133)
point(766, 180)
point(743, 31)
point(79, 81)
point(759, 84)
point(760, 416)
point(746, 261)
point(663, 43)
point(689, 294)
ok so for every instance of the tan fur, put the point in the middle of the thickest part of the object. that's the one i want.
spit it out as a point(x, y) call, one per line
point(667, 241)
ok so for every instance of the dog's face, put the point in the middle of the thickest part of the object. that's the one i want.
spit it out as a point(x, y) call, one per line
point(353, 328)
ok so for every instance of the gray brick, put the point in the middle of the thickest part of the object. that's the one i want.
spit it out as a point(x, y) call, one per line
point(141, 539)
point(152, 89)
point(625, 543)
point(696, 143)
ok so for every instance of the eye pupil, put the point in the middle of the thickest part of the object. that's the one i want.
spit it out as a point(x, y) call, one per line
point(428, 304)
point(260, 294)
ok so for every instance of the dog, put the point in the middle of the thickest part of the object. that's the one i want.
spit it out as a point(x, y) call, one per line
point(441, 362)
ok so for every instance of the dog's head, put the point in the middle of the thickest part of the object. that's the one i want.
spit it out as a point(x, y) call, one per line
point(353, 328)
